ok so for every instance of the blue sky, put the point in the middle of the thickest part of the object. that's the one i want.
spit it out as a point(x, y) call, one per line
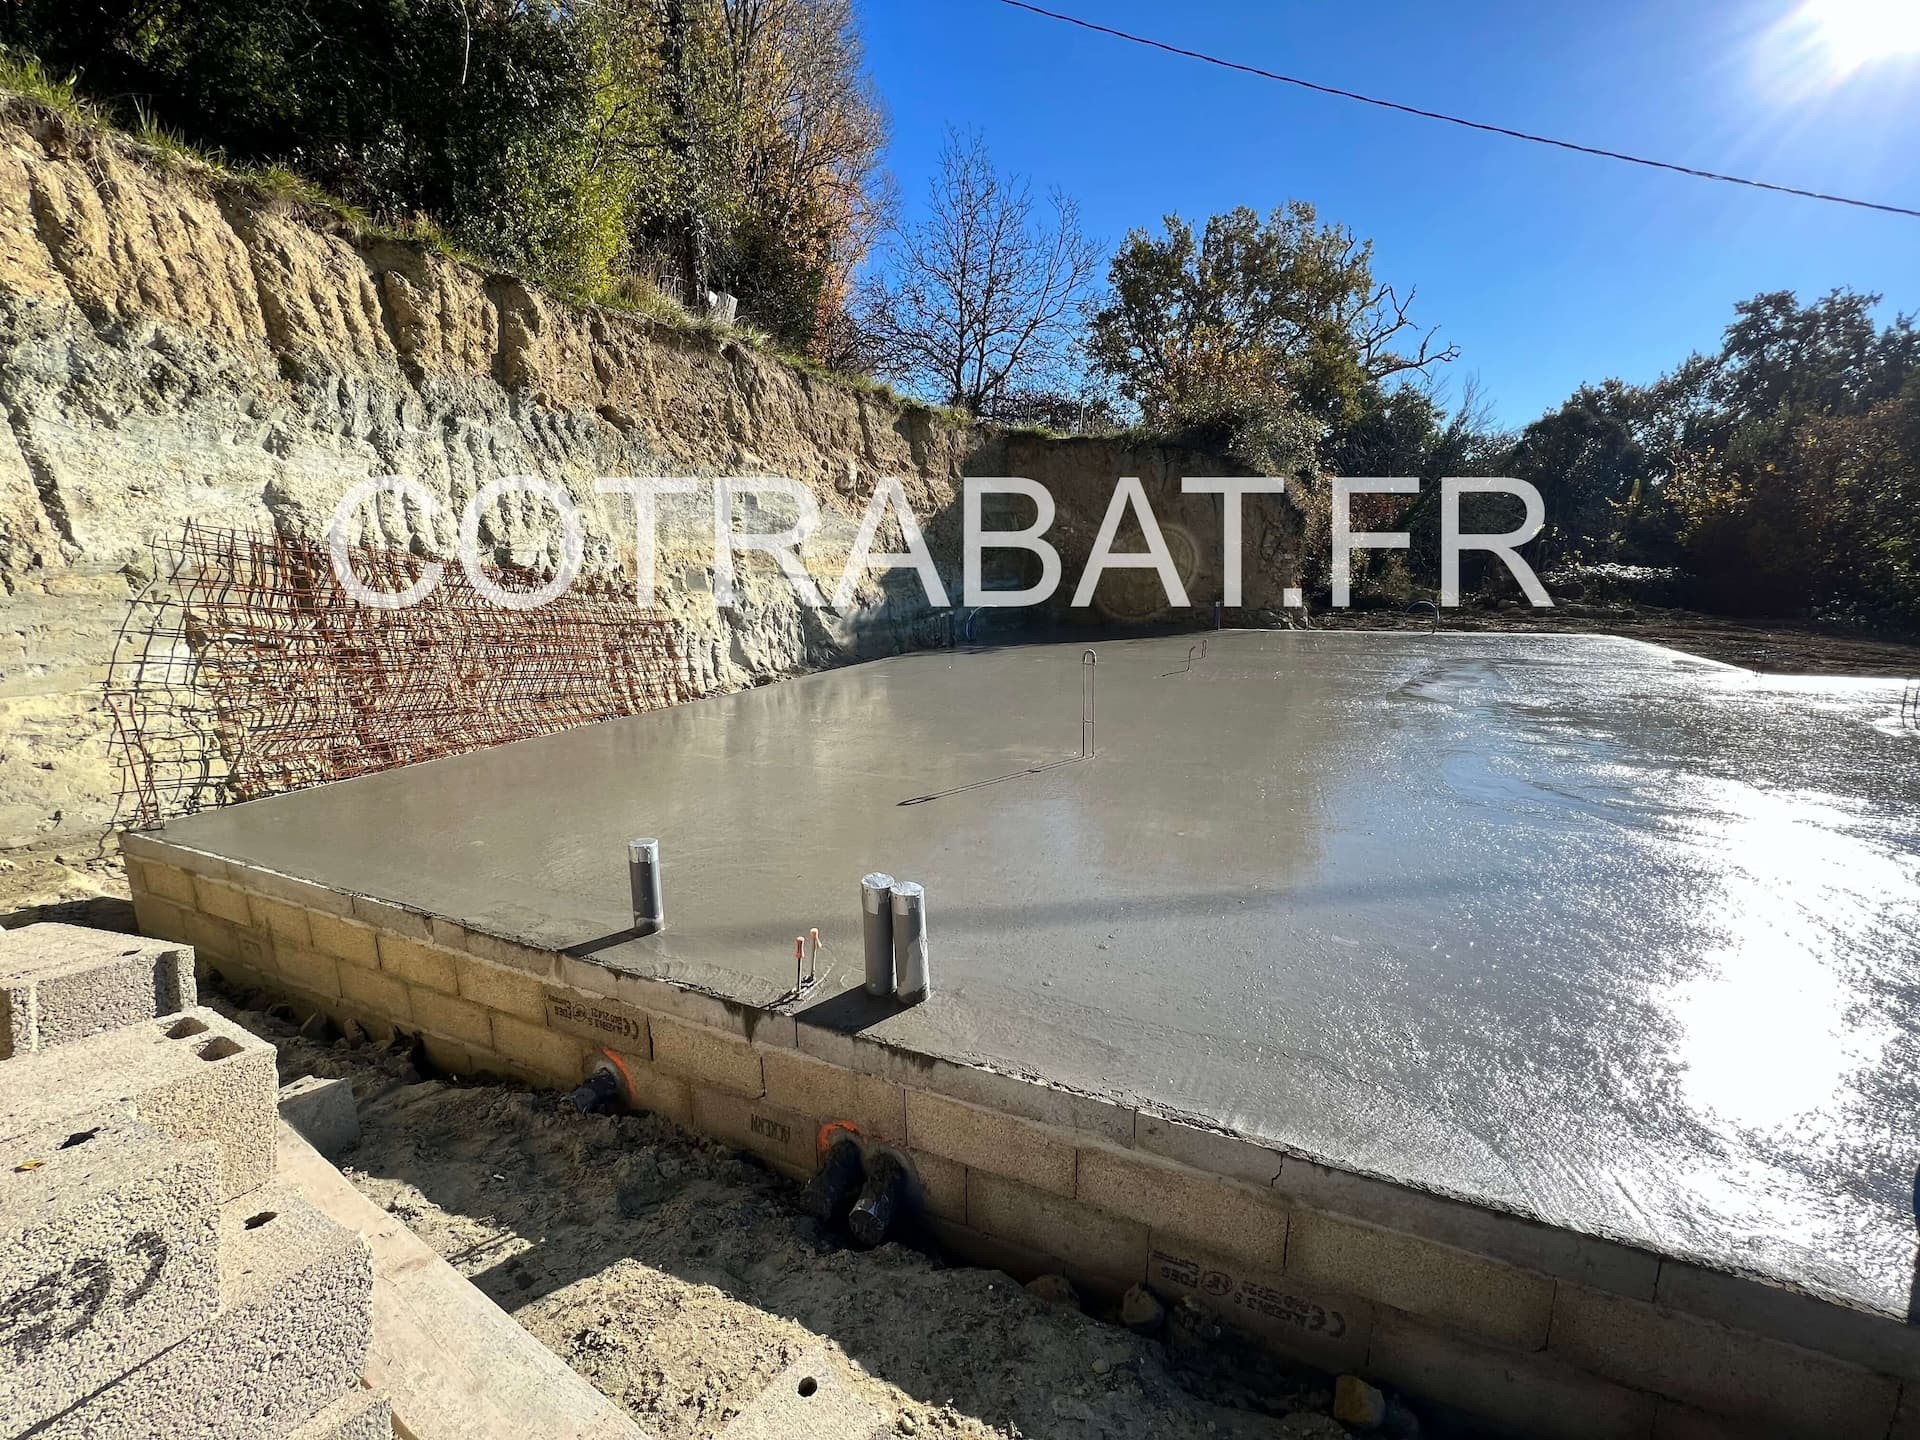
point(1546, 268)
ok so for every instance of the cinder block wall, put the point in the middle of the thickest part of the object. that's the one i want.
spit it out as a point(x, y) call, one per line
point(1552, 1332)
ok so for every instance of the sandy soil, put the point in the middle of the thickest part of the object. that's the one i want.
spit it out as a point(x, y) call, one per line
point(680, 1277)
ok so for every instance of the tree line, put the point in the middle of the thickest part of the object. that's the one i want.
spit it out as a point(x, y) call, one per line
point(621, 148)
point(1778, 474)
point(607, 147)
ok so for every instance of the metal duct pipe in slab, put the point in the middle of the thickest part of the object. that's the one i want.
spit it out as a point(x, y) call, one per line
point(643, 874)
point(876, 922)
point(913, 982)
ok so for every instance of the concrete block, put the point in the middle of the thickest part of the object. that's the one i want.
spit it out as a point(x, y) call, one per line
point(987, 1141)
point(452, 1017)
point(304, 893)
point(784, 1138)
point(1777, 1387)
point(548, 1054)
point(281, 919)
point(1532, 1394)
point(135, 845)
point(390, 919)
point(1879, 1342)
point(160, 919)
point(1086, 1115)
point(993, 1252)
point(222, 901)
point(221, 943)
point(654, 1091)
point(108, 1237)
point(753, 1023)
point(596, 1019)
point(507, 954)
point(1455, 1287)
point(362, 1415)
point(295, 1319)
point(810, 1400)
point(939, 1185)
point(1248, 1222)
point(802, 1083)
point(452, 1057)
point(1326, 1328)
point(376, 994)
point(1094, 1118)
point(193, 1076)
point(1203, 1149)
point(422, 965)
point(1565, 1254)
point(508, 991)
point(162, 881)
point(345, 939)
point(323, 1111)
point(310, 970)
point(707, 1057)
point(148, 846)
point(1088, 1242)
point(60, 983)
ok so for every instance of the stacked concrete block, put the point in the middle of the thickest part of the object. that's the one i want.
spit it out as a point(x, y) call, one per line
point(193, 1076)
point(323, 1112)
point(290, 1336)
point(152, 1280)
point(60, 983)
point(107, 1257)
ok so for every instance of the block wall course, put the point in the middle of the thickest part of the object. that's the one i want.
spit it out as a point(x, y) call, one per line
point(1534, 1394)
point(986, 1141)
point(708, 1057)
point(1087, 1241)
point(1717, 1369)
point(1246, 1221)
point(1454, 1287)
point(1324, 1327)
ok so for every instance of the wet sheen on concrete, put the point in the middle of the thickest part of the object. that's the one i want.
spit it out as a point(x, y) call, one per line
point(1622, 938)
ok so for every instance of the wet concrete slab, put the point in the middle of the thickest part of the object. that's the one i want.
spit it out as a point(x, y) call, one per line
point(1623, 939)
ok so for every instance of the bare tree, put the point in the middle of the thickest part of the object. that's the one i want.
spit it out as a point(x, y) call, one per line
point(985, 292)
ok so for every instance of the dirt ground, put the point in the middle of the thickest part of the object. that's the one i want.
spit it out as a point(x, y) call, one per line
point(680, 1277)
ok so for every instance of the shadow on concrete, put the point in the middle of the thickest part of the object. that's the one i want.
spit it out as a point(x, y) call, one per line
point(587, 949)
point(1913, 1294)
point(850, 1012)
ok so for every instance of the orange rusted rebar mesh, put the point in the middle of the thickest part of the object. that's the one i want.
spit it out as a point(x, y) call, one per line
point(247, 669)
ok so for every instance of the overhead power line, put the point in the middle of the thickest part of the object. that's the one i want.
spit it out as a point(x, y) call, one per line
point(1415, 110)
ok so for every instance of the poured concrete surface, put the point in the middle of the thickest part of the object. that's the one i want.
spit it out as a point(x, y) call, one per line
point(1622, 938)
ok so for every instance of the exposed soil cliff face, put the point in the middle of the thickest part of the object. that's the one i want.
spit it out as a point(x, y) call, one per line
point(173, 346)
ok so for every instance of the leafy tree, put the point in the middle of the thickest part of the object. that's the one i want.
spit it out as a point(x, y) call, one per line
point(758, 136)
point(982, 295)
point(723, 143)
point(1195, 329)
point(480, 114)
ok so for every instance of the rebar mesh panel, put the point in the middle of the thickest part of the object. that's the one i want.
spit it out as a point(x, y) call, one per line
point(248, 669)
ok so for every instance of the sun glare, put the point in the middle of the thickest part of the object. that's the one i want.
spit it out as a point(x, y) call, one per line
point(1846, 35)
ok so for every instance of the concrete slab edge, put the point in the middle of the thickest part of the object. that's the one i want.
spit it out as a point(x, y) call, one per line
point(1012, 1151)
